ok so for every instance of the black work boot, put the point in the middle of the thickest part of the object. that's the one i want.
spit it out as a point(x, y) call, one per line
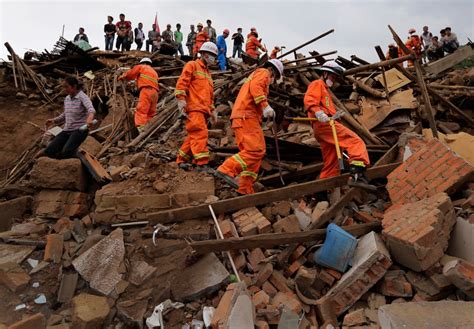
point(185, 166)
point(358, 173)
point(226, 178)
point(204, 168)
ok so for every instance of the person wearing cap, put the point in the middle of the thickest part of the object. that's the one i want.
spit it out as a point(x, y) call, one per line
point(319, 104)
point(201, 38)
point(191, 40)
point(275, 51)
point(211, 32)
point(253, 44)
point(147, 84)
point(414, 43)
point(195, 94)
point(249, 108)
point(222, 50)
point(238, 42)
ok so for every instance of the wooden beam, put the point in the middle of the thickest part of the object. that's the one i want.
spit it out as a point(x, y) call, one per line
point(373, 66)
point(370, 90)
point(269, 240)
point(420, 80)
point(306, 43)
point(310, 57)
point(449, 61)
point(288, 192)
point(305, 171)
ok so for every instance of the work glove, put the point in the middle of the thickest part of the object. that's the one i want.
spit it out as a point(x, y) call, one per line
point(322, 117)
point(268, 112)
point(181, 108)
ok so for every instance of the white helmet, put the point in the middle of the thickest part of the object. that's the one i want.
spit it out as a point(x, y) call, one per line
point(332, 67)
point(209, 47)
point(277, 64)
point(145, 60)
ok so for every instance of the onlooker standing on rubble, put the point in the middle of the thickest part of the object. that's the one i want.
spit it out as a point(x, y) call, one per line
point(152, 35)
point(167, 32)
point(191, 40)
point(435, 50)
point(414, 43)
point(139, 36)
point(238, 42)
point(222, 50)
point(81, 36)
point(426, 38)
point(123, 28)
point(274, 53)
point(147, 83)
point(249, 108)
point(178, 38)
point(211, 32)
point(201, 37)
point(253, 44)
point(195, 95)
point(450, 41)
point(168, 46)
point(77, 117)
point(109, 30)
point(318, 103)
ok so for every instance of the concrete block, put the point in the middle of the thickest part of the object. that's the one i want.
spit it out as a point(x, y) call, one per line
point(461, 243)
point(68, 174)
point(432, 315)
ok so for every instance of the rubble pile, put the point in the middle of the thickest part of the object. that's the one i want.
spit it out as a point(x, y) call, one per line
point(123, 238)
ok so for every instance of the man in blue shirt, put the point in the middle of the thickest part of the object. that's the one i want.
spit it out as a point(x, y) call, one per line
point(222, 50)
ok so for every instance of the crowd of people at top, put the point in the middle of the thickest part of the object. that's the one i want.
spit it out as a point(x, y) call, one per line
point(170, 42)
point(427, 47)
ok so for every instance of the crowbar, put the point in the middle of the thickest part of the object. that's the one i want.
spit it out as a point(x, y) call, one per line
point(275, 135)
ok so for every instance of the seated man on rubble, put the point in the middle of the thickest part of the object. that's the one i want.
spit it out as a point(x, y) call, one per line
point(77, 117)
point(168, 46)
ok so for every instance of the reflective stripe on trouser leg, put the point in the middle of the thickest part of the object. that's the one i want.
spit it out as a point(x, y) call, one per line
point(196, 127)
point(147, 99)
point(184, 153)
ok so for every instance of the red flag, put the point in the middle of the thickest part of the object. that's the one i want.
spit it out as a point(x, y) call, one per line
point(157, 27)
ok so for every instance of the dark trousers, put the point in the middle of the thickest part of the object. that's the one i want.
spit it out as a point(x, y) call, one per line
point(139, 43)
point(122, 42)
point(237, 50)
point(65, 145)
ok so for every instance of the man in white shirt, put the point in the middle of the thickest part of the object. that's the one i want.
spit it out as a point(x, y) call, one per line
point(450, 41)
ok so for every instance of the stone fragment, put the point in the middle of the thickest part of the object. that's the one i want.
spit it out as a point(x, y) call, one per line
point(89, 311)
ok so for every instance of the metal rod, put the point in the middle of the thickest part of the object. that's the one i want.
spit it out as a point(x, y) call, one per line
point(221, 237)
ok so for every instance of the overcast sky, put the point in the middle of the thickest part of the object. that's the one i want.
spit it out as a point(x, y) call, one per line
point(359, 25)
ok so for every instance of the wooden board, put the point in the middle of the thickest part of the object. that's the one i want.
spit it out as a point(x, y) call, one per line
point(288, 192)
point(269, 240)
point(449, 61)
point(395, 79)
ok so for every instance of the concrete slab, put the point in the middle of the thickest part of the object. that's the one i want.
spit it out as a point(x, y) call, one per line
point(427, 315)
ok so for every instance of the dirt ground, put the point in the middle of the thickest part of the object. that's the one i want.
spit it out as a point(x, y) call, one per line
point(18, 117)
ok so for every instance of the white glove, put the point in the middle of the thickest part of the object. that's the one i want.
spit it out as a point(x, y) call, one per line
point(181, 104)
point(322, 117)
point(268, 112)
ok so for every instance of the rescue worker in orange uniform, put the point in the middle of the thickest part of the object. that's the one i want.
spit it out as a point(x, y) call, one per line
point(147, 84)
point(201, 37)
point(274, 53)
point(251, 104)
point(253, 44)
point(414, 43)
point(318, 103)
point(195, 94)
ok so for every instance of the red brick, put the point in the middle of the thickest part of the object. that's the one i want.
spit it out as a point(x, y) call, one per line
point(255, 257)
point(269, 289)
point(295, 266)
point(279, 281)
point(13, 277)
point(299, 251)
point(263, 274)
point(260, 299)
point(54, 248)
point(260, 324)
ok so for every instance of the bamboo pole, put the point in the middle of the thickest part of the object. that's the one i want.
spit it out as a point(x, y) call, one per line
point(306, 43)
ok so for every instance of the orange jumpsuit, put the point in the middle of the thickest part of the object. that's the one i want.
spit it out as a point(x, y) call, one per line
point(201, 37)
point(274, 54)
point(414, 43)
point(318, 98)
point(252, 45)
point(196, 87)
point(246, 122)
point(147, 83)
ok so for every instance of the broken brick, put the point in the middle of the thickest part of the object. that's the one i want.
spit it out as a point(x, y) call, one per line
point(54, 248)
point(13, 276)
point(395, 284)
point(269, 289)
point(461, 274)
point(418, 233)
point(288, 224)
point(35, 321)
point(260, 299)
point(263, 274)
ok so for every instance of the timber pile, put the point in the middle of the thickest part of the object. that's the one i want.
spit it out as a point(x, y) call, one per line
point(107, 254)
